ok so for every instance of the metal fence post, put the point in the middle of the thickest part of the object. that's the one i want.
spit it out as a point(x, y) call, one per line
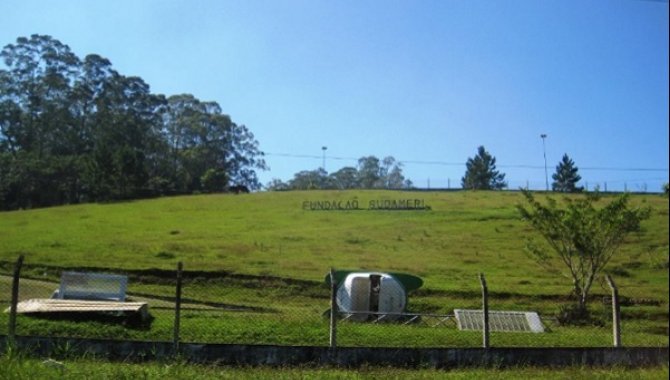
point(177, 309)
point(616, 312)
point(485, 311)
point(11, 334)
point(333, 309)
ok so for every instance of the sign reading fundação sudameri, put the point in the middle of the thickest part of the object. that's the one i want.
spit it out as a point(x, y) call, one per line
point(374, 204)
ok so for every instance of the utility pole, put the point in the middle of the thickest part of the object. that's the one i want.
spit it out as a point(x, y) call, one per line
point(323, 165)
point(544, 152)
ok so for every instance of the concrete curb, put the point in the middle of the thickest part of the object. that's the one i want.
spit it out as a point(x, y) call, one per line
point(236, 354)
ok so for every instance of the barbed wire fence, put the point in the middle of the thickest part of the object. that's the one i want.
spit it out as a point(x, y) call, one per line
point(198, 307)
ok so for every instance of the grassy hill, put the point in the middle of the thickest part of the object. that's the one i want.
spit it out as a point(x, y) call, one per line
point(462, 234)
point(257, 265)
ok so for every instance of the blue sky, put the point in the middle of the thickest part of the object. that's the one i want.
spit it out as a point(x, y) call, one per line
point(424, 81)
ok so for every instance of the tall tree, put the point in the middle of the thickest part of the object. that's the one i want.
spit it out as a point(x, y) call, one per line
point(345, 178)
point(243, 156)
point(369, 172)
point(481, 173)
point(202, 138)
point(36, 123)
point(128, 119)
point(566, 176)
point(374, 173)
point(277, 184)
point(391, 174)
point(41, 70)
point(310, 180)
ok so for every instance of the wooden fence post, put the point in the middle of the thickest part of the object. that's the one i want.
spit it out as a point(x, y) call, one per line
point(11, 333)
point(333, 309)
point(177, 309)
point(485, 311)
point(616, 312)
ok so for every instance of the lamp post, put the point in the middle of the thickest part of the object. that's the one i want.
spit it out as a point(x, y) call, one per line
point(544, 152)
point(323, 166)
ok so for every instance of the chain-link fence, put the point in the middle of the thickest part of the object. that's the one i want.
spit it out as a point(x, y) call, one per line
point(215, 307)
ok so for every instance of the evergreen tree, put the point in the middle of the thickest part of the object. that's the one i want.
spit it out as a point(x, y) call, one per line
point(481, 173)
point(566, 177)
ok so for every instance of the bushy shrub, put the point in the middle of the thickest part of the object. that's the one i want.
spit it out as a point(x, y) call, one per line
point(576, 315)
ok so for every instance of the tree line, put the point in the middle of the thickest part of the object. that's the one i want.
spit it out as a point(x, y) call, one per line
point(76, 130)
point(372, 173)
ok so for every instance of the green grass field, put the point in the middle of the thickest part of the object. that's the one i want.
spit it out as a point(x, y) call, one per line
point(23, 368)
point(264, 256)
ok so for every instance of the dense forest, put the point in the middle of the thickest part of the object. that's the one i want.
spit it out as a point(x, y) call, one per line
point(76, 130)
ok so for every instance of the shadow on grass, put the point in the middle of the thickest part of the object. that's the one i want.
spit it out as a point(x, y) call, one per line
point(132, 321)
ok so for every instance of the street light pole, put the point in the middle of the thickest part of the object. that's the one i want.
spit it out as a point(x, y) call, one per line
point(323, 166)
point(544, 152)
